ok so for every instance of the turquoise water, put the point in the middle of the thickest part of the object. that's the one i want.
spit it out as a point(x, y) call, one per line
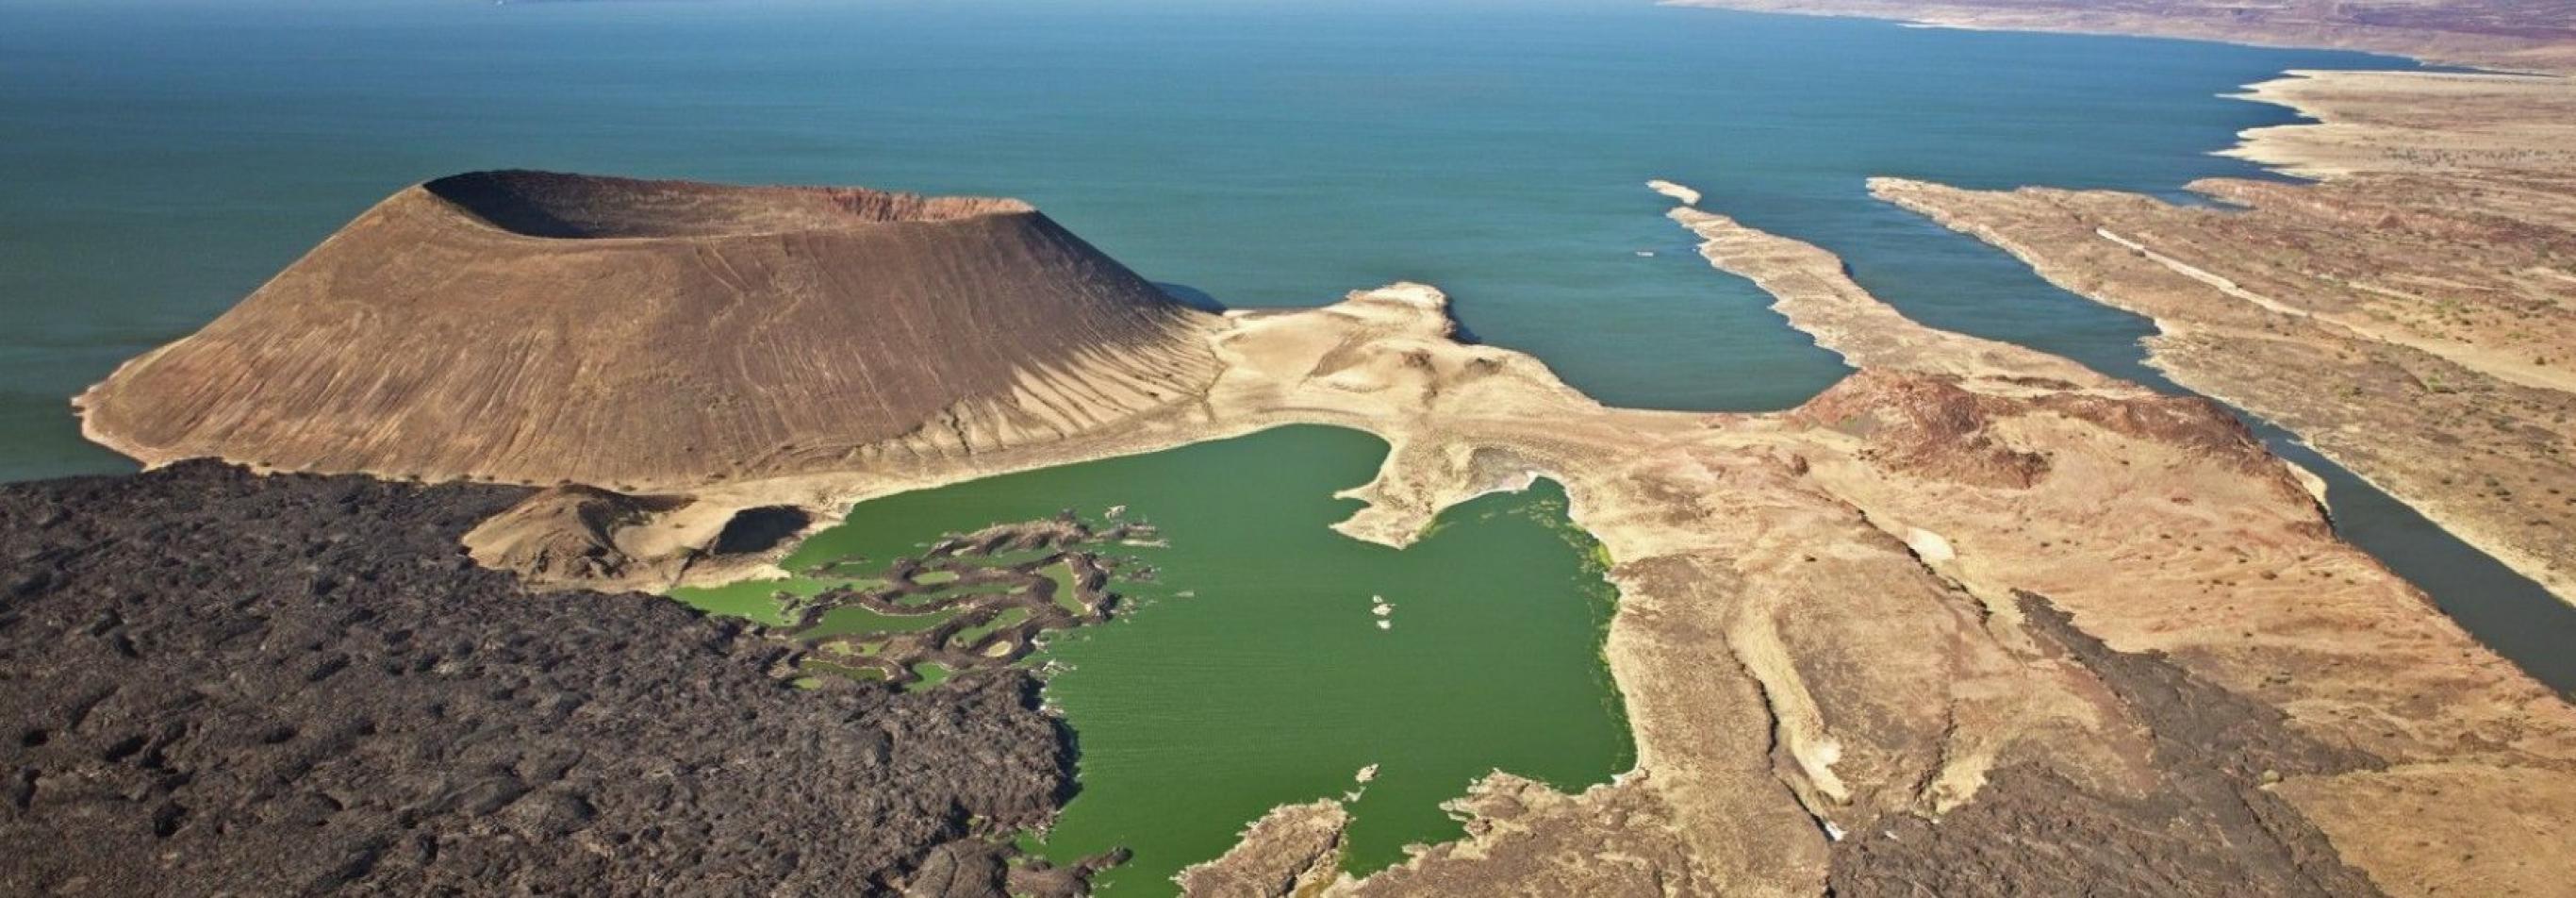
point(162, 159)
point(1251, 670)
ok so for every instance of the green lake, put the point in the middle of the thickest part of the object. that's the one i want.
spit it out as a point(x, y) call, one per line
point(1250, 671)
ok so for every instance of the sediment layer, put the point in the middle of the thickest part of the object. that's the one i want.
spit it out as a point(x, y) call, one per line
point(529, 327)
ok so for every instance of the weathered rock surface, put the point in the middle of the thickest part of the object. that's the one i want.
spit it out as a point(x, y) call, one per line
point(528, 327)
point(570, 534)
point(2207, 826)
point(213, 682)
point(2224, 605)
point(1287, 852)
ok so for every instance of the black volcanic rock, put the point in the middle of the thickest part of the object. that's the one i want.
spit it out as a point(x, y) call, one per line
point(212, 682)
point(2207, 828)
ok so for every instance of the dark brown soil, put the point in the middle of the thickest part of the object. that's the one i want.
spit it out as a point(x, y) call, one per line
point(212, 682)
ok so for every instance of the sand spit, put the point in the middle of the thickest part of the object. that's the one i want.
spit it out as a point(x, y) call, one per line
point(534, 328)
point(2412, 316)
point(2132, 622)
point(1809, 286)
point(1684, 195)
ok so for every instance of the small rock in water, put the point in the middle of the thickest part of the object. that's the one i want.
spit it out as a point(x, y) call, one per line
point(1367, 773)
point(1386, 625)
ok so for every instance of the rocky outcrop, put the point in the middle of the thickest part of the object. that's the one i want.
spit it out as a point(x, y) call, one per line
point(570, 533)
point(1290, 851)
point(2207, 825)
point(978, 610)
point(584, 536)
point(527, 327)
point(221, 683)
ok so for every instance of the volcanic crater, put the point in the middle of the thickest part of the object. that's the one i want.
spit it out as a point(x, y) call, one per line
point(661, 334)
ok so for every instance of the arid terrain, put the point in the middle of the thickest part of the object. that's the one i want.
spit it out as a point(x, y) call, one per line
point(2508, 34)
point(219, 683)
point(1975, 620)
point(2413, 316)
point(380, 615)
point(873, 327)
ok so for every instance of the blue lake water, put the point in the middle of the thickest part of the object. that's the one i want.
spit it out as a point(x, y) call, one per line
point(162, 159)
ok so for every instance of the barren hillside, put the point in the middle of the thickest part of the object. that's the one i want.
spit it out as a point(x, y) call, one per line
point(534, 327)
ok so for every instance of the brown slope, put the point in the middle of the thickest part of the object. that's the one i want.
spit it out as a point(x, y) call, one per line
point(527, 326)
